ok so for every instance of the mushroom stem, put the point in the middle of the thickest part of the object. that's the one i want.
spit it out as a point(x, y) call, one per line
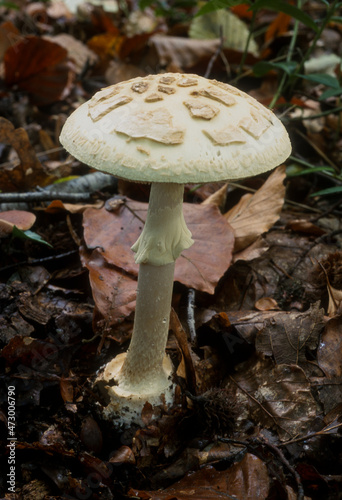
point(162, 240)
point(143, 371)
point(165, 234)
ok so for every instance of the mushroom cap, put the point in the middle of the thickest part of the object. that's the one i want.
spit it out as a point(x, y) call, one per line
point(176, 128)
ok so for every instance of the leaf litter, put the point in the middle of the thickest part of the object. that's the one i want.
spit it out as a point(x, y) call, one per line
point(258, 403)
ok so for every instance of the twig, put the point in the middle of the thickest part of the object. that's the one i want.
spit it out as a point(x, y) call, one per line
point(36, 262)
point(323, 432)
point(180, 335)
point(215, 56)
point(191, 316)
point(44, 196)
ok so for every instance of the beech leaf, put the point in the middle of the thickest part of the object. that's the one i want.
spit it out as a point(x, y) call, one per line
point(255, 214)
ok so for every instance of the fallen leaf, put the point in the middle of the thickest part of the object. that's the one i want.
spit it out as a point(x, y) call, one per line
point(78, 52)
point(305, 226)
point(245, 480)
point(266, 304)
point(190, 54)
point(217, 198)
point(47, 78)
point(9, 35)
point(57, 206)
point(234, 31)
point(19, 218)
point(114, 293)
point(200, 267)
point(29, 172)
point(255, 214)
point(329, 354)
point(110, 260)
point(277, 396)
point(278, 26)
point(291, 336)
point(105, 45)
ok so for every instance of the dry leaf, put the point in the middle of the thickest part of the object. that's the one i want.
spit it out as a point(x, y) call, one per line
point(77, 51)
point(29, 172)
point(329, 355)
point(57, 206)
point(19, 218)
point(335, 300)
point(48, 76)
point(218, 198)
point(200, 267)
point(114, 292)
point(290, 336)
point(277, 396)
point(255, 214)
point(247, 480)
point(235, 32)
point(110, 260)
point(187, 54)
point(266, 304)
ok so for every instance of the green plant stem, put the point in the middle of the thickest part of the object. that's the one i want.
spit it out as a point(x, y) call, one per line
point(250, 35)
point(291, 82)
point(288, 59)
point(313, 44)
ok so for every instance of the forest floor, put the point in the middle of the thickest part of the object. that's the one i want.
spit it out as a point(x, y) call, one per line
point(255, 331)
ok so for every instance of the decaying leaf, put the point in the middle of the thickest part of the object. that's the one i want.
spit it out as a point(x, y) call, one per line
point(47, 78)
point(277, 396)
point(29, 172)
point(77, 51)
point(255, 214)
point(19, 218)
point(247, 480)
point(223, 23)
point(114, 292)
point(329, 355)
point(291, 336)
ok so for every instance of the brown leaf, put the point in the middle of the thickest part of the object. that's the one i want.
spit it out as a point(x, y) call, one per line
point(29, 172)
point(289, 336)
point(19, 218)
point(266, 304)
point(110, 260)
point(187, 54)
point(278, 26)
point(329, 355)
point(124, 455)
point(305, 226)
point(77, 51)
point(278, 396)
point(48, 76)
point(245, 480)
point(9, 35)
point(203, 265)
point(255, 214)
point(114, 290)
point(199, 267)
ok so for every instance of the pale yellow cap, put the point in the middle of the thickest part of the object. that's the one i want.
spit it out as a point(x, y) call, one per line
point(176, 128)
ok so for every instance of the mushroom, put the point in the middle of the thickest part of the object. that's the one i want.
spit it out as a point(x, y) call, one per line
point(167, 130)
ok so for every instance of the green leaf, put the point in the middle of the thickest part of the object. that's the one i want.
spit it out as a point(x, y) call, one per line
point(291, 10)
point(305, 171)
point(213, 5)
point(330, 93)
point(143, 4)
point(29, 235)
point(263, 67)
point(332, 190)
point(323, 78)
point(9, 5)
